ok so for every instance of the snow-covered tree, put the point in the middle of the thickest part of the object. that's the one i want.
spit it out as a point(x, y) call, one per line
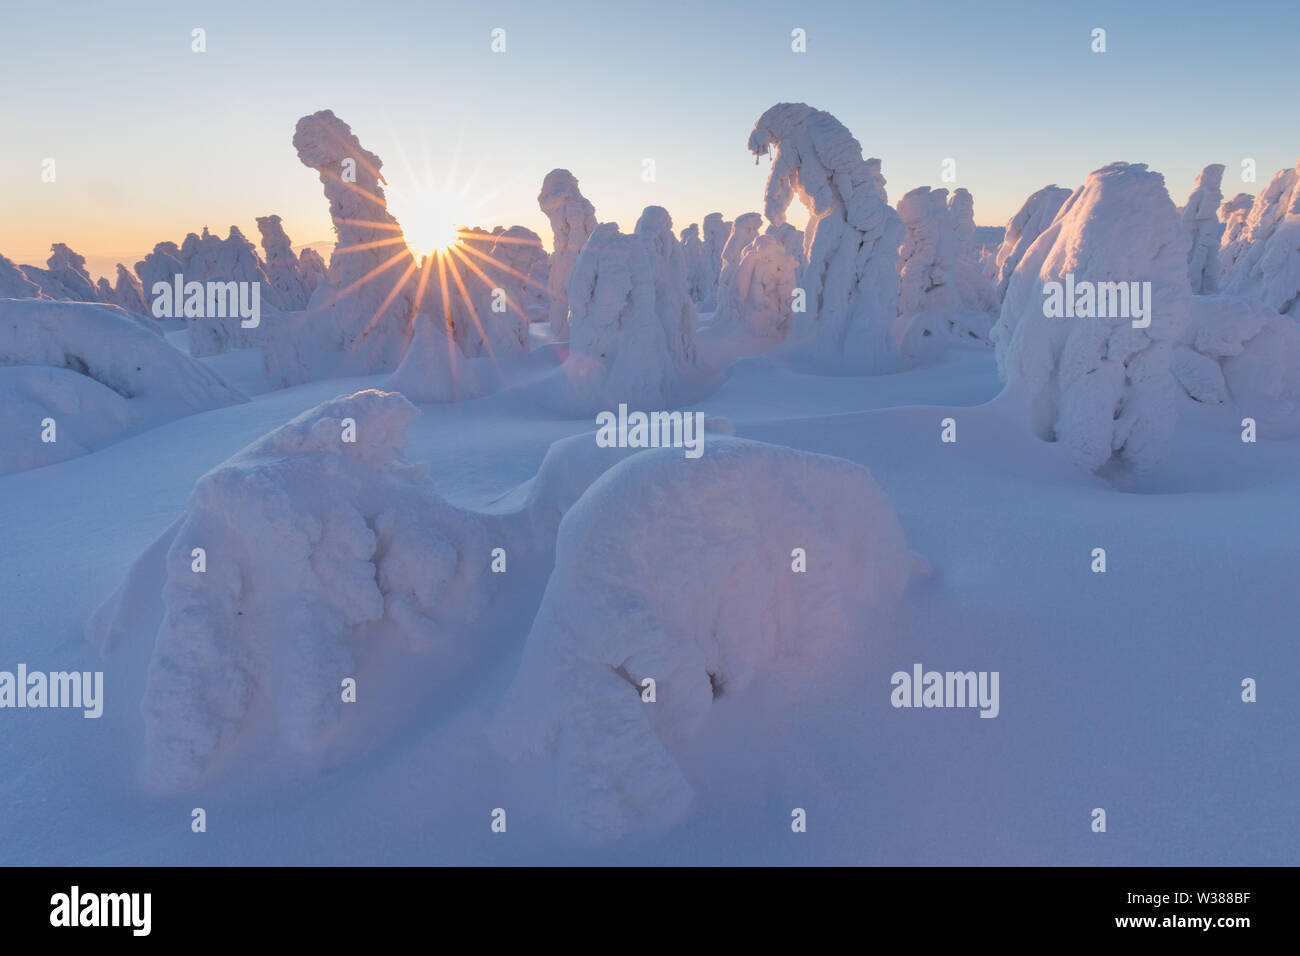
point(927, 259)
point(791, 239)
point(127, 294)
point(1264, 263)
point(757, 302)
point(573, 220)
point(619, 350)
point(1201, 219)
point(693, 256)
point(312, 268)
point(1233, 215)
point(716, 233)
point(673, 303)
point(287, 291)
point(851, 280)
point(1029, 222)
point(1100, 385)
point(65, 276)
point(974, 289)
point(361, 318)
point(159, 266)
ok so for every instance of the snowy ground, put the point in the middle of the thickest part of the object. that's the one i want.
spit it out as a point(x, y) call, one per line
point(1118, 690)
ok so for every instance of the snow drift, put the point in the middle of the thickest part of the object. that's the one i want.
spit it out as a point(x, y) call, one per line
point(706, 599)
point(98, 372)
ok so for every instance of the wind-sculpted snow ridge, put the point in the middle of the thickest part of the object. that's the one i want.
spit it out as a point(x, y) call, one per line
point(716, 233)
point(1089, 357)
point(573, 220)
point(621, 348)
point(65, 276)
point(321, 552)
point(1201, 220)
point(1029, 222)
point(14, 283)
point(360, 320)
point(287, 291)
point(1265, 262)
point(1240, 350)
point(97, 372)
point(851, 280)
point(704, 602)
point(974, 289)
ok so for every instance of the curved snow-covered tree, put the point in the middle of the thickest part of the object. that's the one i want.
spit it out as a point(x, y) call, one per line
point(673, 303)
point(716, 233)
point(361, 318)
point(851, 280)
point(1201, 219)
point(703, 604)
point(1264, 263)
point(573, 220)
point(1029, 222)
point(1090, 319)
point(287, 291)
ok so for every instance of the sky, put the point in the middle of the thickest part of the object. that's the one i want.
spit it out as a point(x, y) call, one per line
point(151, 140)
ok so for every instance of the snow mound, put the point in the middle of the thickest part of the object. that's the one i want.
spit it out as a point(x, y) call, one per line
point(1029, 222)
point(98, 371)
point(1201, 220)
point(1240, 350)
point(853, 235)
point(705, 600)
point(573, 220)
point(1101, 385)
point(320, 552)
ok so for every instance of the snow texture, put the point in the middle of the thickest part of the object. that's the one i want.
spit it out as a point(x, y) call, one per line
point(707, 600)
point(573, 220)
point(1099, 385)
point(853, 235)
